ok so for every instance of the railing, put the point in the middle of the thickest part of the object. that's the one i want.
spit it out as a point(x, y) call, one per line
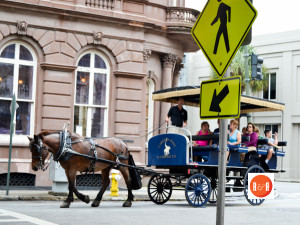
point(101, 4)
point(180, 14)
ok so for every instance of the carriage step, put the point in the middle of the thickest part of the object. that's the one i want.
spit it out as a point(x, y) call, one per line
point(235, 177)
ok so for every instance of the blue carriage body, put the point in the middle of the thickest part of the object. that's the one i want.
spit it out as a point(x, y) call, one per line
point(173, 150)
point(168, 150)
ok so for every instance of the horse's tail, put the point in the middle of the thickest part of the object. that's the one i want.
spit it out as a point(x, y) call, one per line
point(136, 180)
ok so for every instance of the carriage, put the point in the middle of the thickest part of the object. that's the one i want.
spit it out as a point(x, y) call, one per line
point(199, 180)
point(168, 151)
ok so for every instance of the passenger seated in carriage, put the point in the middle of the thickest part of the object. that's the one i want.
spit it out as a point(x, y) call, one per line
point(270, 147)
point(235, 137)
point(204, 131)
point(252, 143)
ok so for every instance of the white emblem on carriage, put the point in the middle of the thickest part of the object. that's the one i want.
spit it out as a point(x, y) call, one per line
point(167, 149)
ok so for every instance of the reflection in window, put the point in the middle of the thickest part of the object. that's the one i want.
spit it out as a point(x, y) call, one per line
point(25, 54)
point(80, 120)
point(17, 76)
point(8, 52)
point(97, 122)
point(91, 92)
point(85, 61)
point(99, 62)
point(23, 118)
point(99, 89)
point(82, 88)
point(25, 82)
point(4, 117)
point(6, 79)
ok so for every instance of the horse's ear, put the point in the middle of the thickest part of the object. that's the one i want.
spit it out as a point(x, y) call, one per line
point(29, 138)
point(36, 138)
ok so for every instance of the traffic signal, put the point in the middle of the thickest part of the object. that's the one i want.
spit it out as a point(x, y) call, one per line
point(256, 68)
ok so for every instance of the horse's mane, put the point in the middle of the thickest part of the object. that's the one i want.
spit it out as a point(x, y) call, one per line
point(44, 133)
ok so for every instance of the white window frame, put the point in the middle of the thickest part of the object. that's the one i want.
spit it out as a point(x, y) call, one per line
point(150, 84)
point(91, 70)
point(17, 62)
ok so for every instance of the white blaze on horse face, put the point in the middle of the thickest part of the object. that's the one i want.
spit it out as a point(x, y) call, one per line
point(167, 149)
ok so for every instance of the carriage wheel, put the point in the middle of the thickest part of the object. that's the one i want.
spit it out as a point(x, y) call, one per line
point(197, 190)
point(252, 169)
point(159, 189)
point(214, 190)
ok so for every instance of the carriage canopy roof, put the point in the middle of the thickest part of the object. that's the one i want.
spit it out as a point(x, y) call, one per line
point(191, 95)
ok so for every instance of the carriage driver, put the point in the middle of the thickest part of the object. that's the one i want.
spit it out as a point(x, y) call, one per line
point(178, 116)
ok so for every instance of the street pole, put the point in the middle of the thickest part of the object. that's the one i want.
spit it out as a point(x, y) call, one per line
point(222, 166)
point(12, 123)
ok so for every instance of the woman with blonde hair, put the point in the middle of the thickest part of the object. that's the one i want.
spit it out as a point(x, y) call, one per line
point(235, 136)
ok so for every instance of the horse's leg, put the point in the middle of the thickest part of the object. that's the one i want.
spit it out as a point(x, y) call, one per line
point(71, 175)
point(105, 183)
point(82, 197)
point(127, 178)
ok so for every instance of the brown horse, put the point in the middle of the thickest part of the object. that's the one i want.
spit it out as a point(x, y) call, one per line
point(47, 141)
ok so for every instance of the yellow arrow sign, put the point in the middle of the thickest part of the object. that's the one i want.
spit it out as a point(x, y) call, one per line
point(221, 28)
point(220, 98)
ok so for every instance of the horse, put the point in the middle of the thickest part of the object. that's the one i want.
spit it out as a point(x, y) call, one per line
point(112, 149)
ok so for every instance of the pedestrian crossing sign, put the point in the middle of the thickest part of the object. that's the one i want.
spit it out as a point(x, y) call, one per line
point(221, 28)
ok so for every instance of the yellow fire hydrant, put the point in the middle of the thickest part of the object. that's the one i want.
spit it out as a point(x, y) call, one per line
point(115, 177)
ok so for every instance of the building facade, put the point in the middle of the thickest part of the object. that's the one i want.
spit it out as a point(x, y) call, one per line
point(92, 63)
point(281, 53)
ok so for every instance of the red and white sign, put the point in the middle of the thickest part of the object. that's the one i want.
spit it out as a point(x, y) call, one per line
point(261, 186)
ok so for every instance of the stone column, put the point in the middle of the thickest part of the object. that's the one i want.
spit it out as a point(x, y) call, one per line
point(176, 76)
point(168, 61)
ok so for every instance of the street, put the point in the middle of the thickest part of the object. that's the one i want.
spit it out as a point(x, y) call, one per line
point(285, 209)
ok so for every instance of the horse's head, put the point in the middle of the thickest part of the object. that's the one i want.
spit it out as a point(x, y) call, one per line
point(39, 153)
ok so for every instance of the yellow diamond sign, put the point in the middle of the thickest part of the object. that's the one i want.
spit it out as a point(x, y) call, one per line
point(221, 28)
point(220, 98)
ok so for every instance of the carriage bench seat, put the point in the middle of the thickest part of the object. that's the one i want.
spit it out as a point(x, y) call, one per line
point(238, 149)
point(277, 152)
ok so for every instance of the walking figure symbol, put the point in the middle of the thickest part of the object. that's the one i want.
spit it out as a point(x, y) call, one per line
point(222, 14)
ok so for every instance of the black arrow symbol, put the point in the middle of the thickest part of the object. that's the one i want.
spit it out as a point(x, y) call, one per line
point(217, 99)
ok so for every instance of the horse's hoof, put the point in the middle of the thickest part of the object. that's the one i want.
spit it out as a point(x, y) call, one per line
point(65, 205)
point(127, 204)
point(95, 203)
point(86, 199)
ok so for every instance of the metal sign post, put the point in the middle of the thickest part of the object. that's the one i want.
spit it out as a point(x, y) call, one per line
point(222, 167)
point(12, 123)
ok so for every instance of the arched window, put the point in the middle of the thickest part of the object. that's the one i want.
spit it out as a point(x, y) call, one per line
point(17, 75)
point(91, 98)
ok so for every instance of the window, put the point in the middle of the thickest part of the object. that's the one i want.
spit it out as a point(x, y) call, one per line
point(17, 75)
point(91, 99)
point(270, 91)
point(149, 108)
point(272, 127)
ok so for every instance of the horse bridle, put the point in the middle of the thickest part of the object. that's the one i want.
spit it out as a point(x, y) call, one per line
point(40, 147)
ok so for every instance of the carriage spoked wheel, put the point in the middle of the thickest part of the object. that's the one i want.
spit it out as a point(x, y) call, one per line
point(159, 189)
point(197, 190)
point(214, 190)
point(252, 169)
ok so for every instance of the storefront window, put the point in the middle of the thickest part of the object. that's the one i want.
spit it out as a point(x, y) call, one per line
point(17, 75)
point(90, 113)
